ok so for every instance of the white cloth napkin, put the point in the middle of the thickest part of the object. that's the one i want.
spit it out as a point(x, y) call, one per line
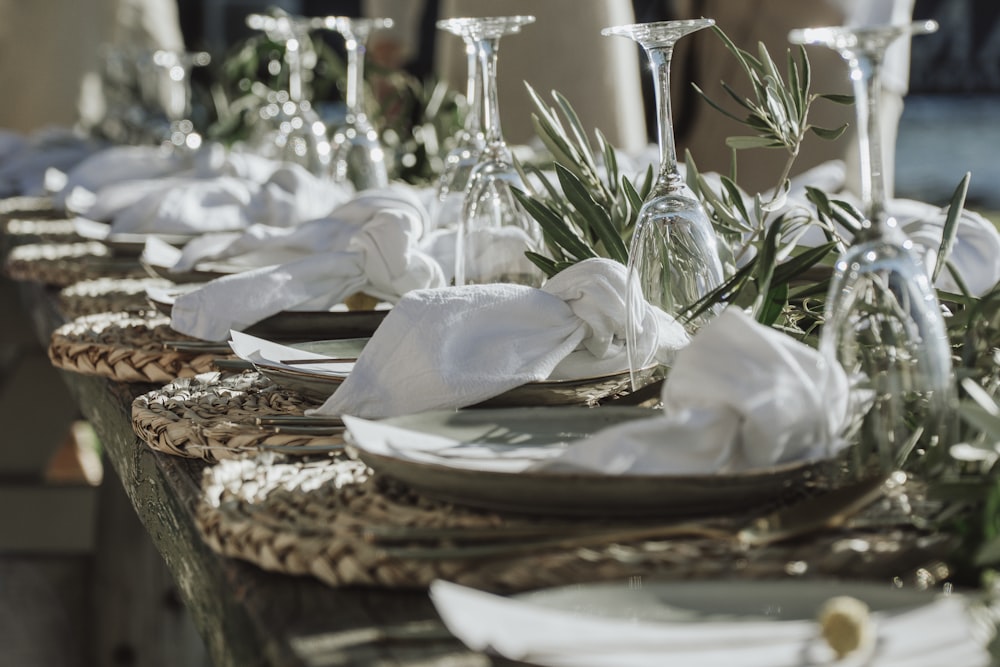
point(25, 163)
point(740, 396)
point(266, 245)
point(934, 634)
point(261, 351)
point(453, 347)
point(976, 253)
point(382, 259)
point(114, 164)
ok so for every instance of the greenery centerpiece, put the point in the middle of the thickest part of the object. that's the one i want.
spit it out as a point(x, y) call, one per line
point(588, 208)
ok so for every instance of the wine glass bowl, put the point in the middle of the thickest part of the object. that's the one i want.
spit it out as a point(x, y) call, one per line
point(882, 320)
point(494, 231)
point(673, 257)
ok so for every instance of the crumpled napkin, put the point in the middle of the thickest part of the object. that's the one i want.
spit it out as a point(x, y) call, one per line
point(453, 347)
point(933, 634)
point(382, 259)
point(266, 245)
point(77, 187)
point(741, 396)
point(976, 253)
point(26, 160)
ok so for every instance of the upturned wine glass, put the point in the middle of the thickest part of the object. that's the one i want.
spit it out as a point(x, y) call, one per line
point(494, 232)
point(883, 322)
point(358, 154)
point(295, 132)
point(674, 255)
point(469, 142)
point(168, 88)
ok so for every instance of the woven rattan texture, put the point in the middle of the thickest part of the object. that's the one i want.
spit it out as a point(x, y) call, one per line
point(329, 519)
point(124, 347)
point(62, 264)
point(213, 416)
point(108, 295)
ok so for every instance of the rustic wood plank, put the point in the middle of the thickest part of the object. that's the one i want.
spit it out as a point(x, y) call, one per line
point(247, 616)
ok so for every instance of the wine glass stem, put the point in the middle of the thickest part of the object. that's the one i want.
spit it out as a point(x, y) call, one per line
point(668, 177)
point(866, 77)
point(473, 91)
point(488, 48)
point(355, 75)
point(292, 52)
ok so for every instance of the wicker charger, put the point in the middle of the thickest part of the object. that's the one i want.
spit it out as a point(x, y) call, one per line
point(125, 347)
point(214, 416)
point(334, 520)
point(107, 295)
point(21, 231)
point(27, 206)
point(62, 264)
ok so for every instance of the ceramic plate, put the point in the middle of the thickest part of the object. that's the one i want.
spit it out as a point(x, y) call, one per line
point(292, 325)
point(709, 601)
point(516, 434)
point(317, 385)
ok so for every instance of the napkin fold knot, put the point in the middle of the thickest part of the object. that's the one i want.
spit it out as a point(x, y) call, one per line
point(453, 347)
point(381, 258)
point(741, 396)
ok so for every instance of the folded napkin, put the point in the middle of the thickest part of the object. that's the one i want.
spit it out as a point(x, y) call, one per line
point(741, 396)
point(976, 253)
point(114, 164)
point(266, 245)
point(933, 634)
point(25, 163)
point(453, 347)
point(381, 259)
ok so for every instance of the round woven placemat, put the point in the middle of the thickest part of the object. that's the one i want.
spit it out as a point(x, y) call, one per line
point(335, 520)
point(29, 207)
point(21, 231)
point(108, 295)
point(62, 264)
point(214, 416)
point(125, 347)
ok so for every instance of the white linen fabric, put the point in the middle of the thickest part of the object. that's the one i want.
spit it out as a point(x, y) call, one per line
point(453, 347)
point(27, 159)
point(975, 255)
point(933, 634)
point(741, 396)
point(381, 258)
point(114, 164)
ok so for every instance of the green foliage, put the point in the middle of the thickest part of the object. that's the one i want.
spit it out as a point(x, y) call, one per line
point(590, 208)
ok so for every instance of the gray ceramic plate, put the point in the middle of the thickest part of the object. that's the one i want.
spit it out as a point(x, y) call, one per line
point(314, 385)
point(296, 325)
point(565, 493)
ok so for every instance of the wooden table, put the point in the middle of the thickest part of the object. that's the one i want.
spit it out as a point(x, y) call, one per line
point(247, 616)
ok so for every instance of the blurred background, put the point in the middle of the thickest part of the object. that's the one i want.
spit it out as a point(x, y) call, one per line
point(51, 54)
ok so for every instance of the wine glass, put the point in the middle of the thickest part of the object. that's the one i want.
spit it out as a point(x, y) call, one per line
point(494, 231)
point(358, 155)
point(883, 322)
point(673, 258)
point(469, 141)
point(169, 88)
point(294, 132)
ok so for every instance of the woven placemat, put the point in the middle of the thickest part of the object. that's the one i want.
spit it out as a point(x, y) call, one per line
point(333, 519)
point(125, 347)
point(21, 231)
point(108, 295)
point(214, 416)
point(28, 206)
point(62, 264)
